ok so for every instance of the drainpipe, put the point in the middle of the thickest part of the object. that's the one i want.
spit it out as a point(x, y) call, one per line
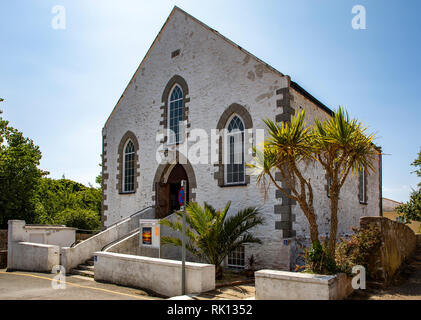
point(381, 183)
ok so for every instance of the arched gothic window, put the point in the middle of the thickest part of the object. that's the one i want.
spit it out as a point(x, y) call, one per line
point(175, 115)
point(128, 167)
point(234, 151)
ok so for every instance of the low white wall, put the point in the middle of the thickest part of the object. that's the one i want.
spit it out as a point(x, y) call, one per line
point(283, 285)
point(159, 275)
point(27, 256)
point(127, 245)
point(36, 247)
point(46, 234)
point(73, 256)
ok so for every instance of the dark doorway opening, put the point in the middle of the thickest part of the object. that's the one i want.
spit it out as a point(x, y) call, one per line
point(167, 193)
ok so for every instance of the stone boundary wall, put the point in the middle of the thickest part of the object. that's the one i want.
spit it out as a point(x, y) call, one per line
point(3, 239)
point(162, 276)
point(3, 249)
point(398, 244)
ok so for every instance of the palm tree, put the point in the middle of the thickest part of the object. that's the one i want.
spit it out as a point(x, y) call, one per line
point(287, 147)
point(211, 235)
point(342, 145)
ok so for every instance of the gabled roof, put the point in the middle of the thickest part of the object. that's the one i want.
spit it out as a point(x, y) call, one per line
point(293, 84)
point(397, 202)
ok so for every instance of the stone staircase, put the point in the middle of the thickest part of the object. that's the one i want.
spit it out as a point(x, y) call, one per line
point(86, 269)
point(75, 256)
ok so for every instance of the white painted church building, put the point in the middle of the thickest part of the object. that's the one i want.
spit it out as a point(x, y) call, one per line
point(191, 80)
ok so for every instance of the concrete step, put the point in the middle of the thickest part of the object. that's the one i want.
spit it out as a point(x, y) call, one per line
point(90, 262)
point(85, 273)
point(85, 267)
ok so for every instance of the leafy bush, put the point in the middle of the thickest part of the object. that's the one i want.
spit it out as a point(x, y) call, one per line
point(349, 253)
point(358, 249)
point(411, 210)
point(318, 259)
point(79, 218)
point(56, 198)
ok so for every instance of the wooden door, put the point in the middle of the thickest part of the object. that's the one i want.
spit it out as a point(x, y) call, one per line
point(162, 208)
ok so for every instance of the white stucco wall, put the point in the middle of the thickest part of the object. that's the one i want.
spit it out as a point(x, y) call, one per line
point(28, 256)
point(61, 236)
point(217, 74)
point(37, 250)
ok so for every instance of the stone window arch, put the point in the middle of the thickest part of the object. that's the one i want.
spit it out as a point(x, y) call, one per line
point(128, 167)
point(128, 164)
point(234, 151)
point(175, 82)
point(233, 112)
point(175, 115)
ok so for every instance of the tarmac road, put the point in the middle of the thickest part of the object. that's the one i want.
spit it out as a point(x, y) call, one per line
point(20, 285)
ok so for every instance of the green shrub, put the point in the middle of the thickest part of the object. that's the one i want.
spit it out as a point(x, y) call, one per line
point(358, 249)
point(318, 259)
point(79, 218)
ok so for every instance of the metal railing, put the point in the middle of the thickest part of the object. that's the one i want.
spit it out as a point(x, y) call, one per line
point(95, 232)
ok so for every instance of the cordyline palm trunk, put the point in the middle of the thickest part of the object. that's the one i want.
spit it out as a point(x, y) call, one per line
point(305, 205)
point(335, 189)
point(341, 146)
point(334, 204)
point(287, 147)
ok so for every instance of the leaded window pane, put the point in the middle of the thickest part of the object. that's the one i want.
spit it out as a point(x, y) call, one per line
point(129, 155)
point(235, 149)
point(175, 115)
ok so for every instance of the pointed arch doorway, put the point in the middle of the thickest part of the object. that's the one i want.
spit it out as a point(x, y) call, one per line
point(166, 200)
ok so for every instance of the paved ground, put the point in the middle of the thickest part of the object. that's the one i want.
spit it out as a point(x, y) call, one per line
point(406, 287)
point(37, 286)
point(239, 292)
point(32, 285)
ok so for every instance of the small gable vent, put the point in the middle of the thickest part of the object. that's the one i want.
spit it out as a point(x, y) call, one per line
point(175, 53)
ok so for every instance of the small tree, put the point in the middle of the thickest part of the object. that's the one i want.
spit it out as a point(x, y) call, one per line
point(79, 218)
point(287, 150)
point(211, 235)
point(342, 146)
point(19, 175)
point(411, 211)
point(417, 164)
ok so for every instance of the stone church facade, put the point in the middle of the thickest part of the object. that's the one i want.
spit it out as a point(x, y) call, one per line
point(194, 78)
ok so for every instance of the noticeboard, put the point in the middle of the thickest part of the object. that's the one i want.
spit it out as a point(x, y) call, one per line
point(149, 233)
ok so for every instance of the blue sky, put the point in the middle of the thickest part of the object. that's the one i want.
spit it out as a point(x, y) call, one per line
point(61, 85)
